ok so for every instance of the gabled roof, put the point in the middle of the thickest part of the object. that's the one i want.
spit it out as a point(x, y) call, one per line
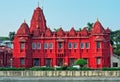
point(48, 32)
point(98, 28)
point(60, 32)
point(84, 32)
point(72, 32)
point(107, 30)
point(23, 30)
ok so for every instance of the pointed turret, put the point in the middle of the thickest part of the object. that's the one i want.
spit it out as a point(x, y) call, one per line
point(38, 21)
point(107, 30)
point(23, 30)
point(98, 28)
point(60, 32)
point(84, 32)
point(48, 32)
point(72, 32)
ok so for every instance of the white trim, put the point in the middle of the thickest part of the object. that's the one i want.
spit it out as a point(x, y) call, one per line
point(39, 45)
point(52, 45)
point(69, 44)
point(45, 45)
point(82, 47)
point(33, 45)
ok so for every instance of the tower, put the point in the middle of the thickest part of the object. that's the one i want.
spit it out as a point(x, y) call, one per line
point(22, 55)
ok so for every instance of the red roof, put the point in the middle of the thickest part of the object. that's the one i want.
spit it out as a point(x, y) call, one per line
point(48, 32)
point(5, 49)
point(23, 30)
point(84, 32)
point(72, 31)
point(107, 30)
point(38, 21)
point(60, 32)
point(98, 28)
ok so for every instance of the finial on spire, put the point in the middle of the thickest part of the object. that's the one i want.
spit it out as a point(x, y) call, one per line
point(48, 26)
point(38, 3)
point(42, 7)
point(97, 19)
point(24, 21)
point(42, 4)
point(60, 25)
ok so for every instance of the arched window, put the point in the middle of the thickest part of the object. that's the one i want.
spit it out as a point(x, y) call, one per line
point(75, 45)
point(33, 45)
point(38, 45)
point(97, 44)
point(87, 45)
point(50, 45)
point(69, 45)
point(81, 45)
point(45, 45)
point(22, 45)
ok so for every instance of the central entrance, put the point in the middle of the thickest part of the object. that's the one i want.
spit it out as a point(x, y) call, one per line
point(59, 62)
point(48, 62)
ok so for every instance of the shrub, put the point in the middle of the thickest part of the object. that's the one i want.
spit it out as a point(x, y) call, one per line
point(37, 68)
point(57, 68)
point(11, 69)
point(81, 62)
point(111, 69)
point(81, 69)
point(65, 66)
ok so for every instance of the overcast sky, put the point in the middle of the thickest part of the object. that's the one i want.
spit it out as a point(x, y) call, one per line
point(65, 13)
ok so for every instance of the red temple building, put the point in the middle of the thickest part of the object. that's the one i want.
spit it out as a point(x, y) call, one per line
point(5, 56)
point(37, 45)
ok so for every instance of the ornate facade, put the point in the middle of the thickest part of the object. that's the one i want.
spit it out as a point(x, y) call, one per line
point(37, 45)
point(5, 56)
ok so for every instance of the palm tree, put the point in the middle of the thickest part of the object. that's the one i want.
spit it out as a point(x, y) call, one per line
point(89, 26)
point(56, 29)
point(79, 29)
point(11, 35)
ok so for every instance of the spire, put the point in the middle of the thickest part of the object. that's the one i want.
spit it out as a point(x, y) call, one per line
point(24, 21)
point(98, 28)
point(97, 19)
point(24, 29)
point(38, 20)
point(42, 4)
point(38, 3)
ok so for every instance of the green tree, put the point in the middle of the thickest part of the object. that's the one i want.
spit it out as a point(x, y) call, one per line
point(115, 37)
point(4, 38)
point(11, 35)
point(81, 62)
point(117, 52)
point(79, 29)
point(115, 41)
point(111, 42)
point(89, 26)
point(56, 29)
